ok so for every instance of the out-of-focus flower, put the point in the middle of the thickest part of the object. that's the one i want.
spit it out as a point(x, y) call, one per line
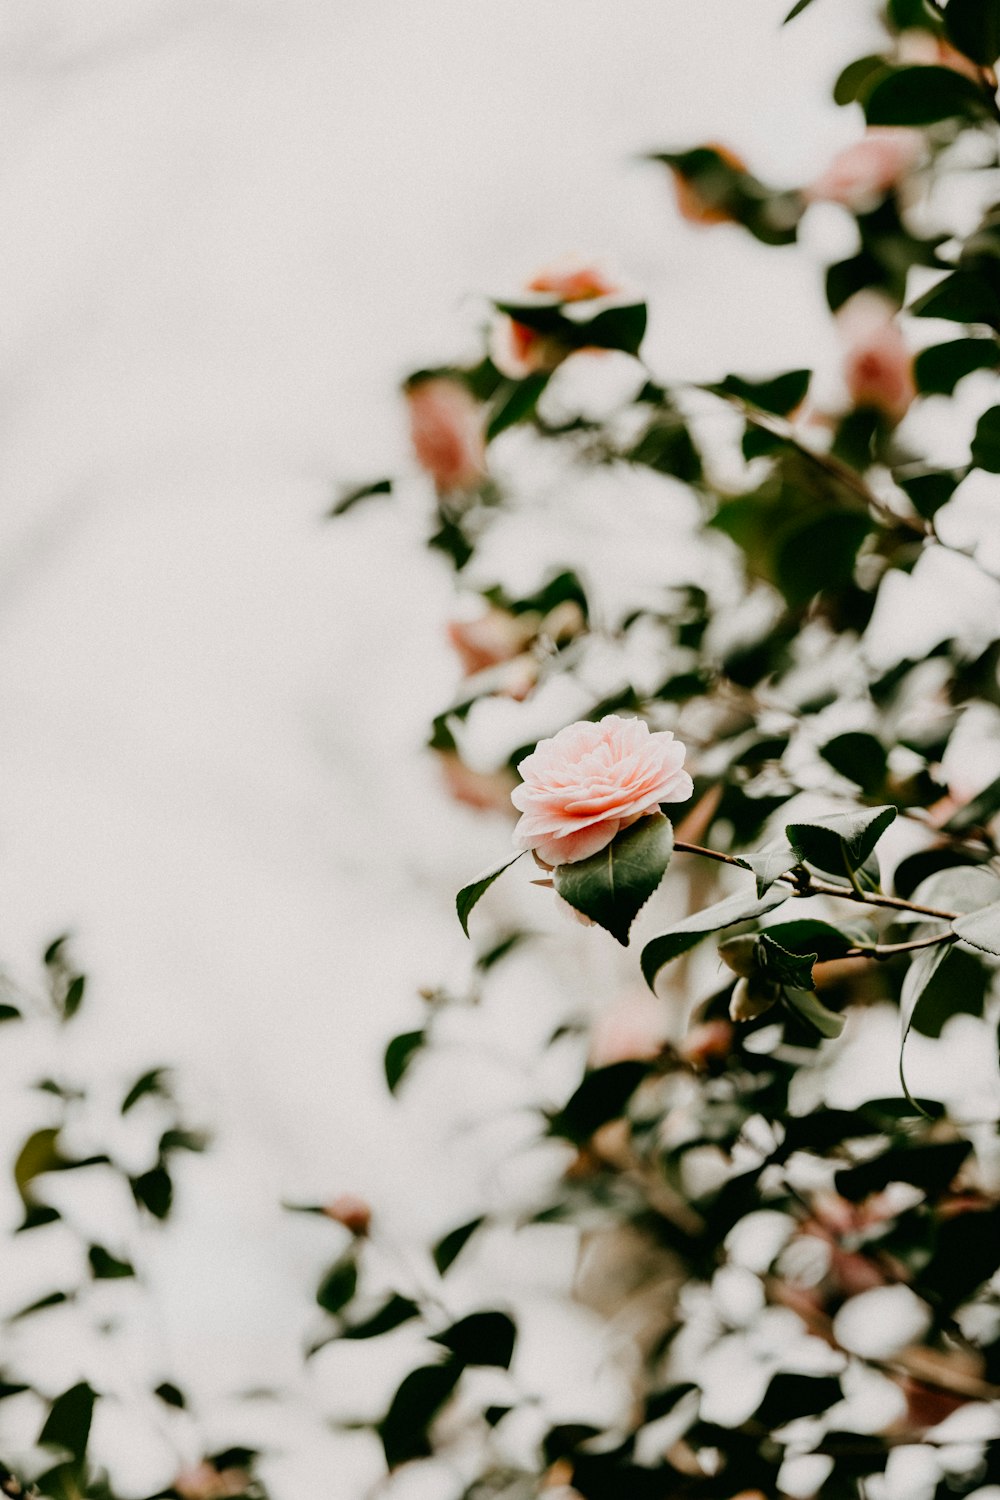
point(583, 785)
point(486, 791)
point(516, 349)
point(492, 639)
point(708, 1042)
point(446, 429)
point(205, 1482)
point(351, 1211)
point(878, 367)
point(917, 46)
point(631, 1029)
point(861, 175)
point(693, 205)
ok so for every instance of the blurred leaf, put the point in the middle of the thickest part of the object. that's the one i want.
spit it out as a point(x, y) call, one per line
point(107, 1267)
point(977, 812)
point(812, 1009)
point(469, 895)
point(602, 1096)
point(482, 1338)
point(928, 492)
point(986, 443)
point(515, 401)
point(858, 78)
point(974, 28)
point(339, 1284)
point(393, 1313)
point(938, 370)
point(931, 1166)
point(796, 10)
point(818, 556)
point(612, 886)
point(153, 1082)
point(404, 1428)
point(73, 997)
point(964, 1257)
point(451, 1245)
point(923, 95)
point(170, 1395)
point(51, 1299)
point(689, 932)
point(9, 1013)
point(399, 1054)
point(353, 496)
point(53, 953)
point(153, 1190)
point(860, 757)
point(965, 296)
point(779, 395)
point(68, 1423)
point(841, 841)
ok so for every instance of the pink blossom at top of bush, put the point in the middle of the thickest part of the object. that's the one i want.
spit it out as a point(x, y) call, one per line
point(446, 429)
point(587, 782)
point(518, 350)
point(861, 174)
point(878, 367)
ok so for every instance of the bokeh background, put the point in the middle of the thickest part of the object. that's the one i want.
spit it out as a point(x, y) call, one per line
point(230, 227)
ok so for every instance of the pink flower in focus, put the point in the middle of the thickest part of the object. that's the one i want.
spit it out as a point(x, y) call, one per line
point(446, 429)
point(861, 175)
point(878, 367)
point(591, 780)
point(516, 349)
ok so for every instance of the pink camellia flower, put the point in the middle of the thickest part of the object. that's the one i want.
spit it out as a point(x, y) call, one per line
point(878, 367)
point(861, 175)
point(446, 429)
point(591, 780)
point(518, 350)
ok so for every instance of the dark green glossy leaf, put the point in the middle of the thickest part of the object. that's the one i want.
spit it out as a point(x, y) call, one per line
point(399, 1055)
point(339, 1284)
point(809, 935)
point(393, 1313)
point(858, 78)
point(928, 492)
point(67, 1425)
point(170, 1395)
point(818, 1015)
point(602, 1096)
point(938, 370)
point(451, 1245)
point(107, 1267)
point(796, 10)
point(981, 929)
point(515, 401)
point(612, 886)
point(469, 895)
point(964, 296)
point(689, 932)
point(153, 1082)
point(404, 1428)
point(986, 443)
point(842, 841)
point(778, 966)
point(932, 1167)
point(780, 395)
point(768, 866)
point(482, 1338)
point(974, 27)
point(923, 95)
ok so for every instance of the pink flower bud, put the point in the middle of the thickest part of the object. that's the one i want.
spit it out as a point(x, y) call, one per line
point(878, 367)
point(861, 175)
point(446, 429)
point(353, 1212)
point(580, 788)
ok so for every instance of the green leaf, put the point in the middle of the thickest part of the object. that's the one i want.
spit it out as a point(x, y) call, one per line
point(9, 1013)
point(154, 1191)
point(689, 932)
point(621, 326)
point(965, 296)
point(779, 395)
point(170, 1395)
point(39, 1154)
point(809, 935)
point(928, 492)
point(153, 1082)
point(67, 1425)
point(842, 841)
point(818, 556)
point(73, 997)
point(974, 27)
point(768, 866)
point(602, 1096)
point(399, 1055)
point(515, 401)
point(918, 977)
point(53, 1299)
point(860, 757)
point(858, 78)
point(812, 1009)
point(338, 1285)
point(778, 966)
point(393, 1313)
point(612, 886)
point(939, 369)
point(986, 443)
point(404, 1428)
point(923, 95)
point(107, 1267)
point(796, 10)
point(932, 1167)
point(981, 929)
point(978, 812)
point(451, 1245)
point(483, 1338)
point(353, 496)
point(469, 895)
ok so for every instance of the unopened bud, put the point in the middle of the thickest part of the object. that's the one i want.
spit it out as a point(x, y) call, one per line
point(737, 954)
point(351, 1211)
point(751, 998)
